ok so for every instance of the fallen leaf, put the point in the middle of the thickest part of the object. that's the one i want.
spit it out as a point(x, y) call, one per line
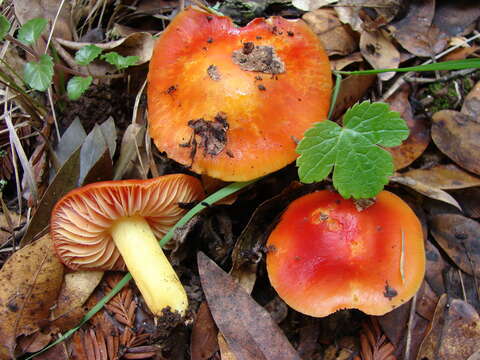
point(248, 329)
point(425, 189)
point(453, 17)
point(132, 139)
point(138, 44)
point(468, 199)
point(471, 104)
point(337, 38)
point(29, 284)
point(374, 344)
point(351, 91)
point(6, 226)
point(435, 268)
point(415, 32)
point(426, 301)
point(454, 332)
point(456, 135)
point(70, 141)
point(311, 5)
point(475, 356)
point(76, 288)
point(419, 137)
point(64, 181)
point(93, 149)
point(340, 64)
point(460, 285)
point(379, 51)
point(47, 9)
point(459, 238)
point(445, 177)
point(203, 344)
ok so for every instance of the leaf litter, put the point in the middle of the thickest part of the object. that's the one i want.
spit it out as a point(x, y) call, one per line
point(358, 35)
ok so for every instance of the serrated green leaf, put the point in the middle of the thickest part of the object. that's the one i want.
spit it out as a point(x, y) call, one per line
point(87, 54)
point(119, 61)
point(4, 26)
point(361, 167)
point(31, 30)
point(38, 75)
point(77, 85)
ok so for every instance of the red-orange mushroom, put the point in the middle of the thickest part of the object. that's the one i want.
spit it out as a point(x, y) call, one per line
point(325, 255)
point(110, 224)
point(232, 102)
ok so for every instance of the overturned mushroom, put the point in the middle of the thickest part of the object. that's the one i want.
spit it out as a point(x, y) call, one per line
point(107, 225)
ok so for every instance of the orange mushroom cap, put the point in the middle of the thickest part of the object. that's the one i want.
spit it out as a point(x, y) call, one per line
point(325, 255)
point(231, 102)
point(81, 220)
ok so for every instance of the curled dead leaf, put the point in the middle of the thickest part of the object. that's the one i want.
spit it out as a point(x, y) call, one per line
point(29, 284)
point(137, 44)
point(379, 51)
point(471, 104)
point(352, 89)
point(339, 64)
point(426, 190)
point(456, 135)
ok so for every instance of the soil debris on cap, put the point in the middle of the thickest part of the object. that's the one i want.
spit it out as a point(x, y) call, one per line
point(261, 58)
point(213, 72)
point(389, 292)
point(213, 134)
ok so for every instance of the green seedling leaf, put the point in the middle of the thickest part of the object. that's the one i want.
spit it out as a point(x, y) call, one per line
point(38, 75)
point(31, 31)
point(119, 61)
point(87, 54)
point(77, 85)
point(361, 166)
point(4, 27)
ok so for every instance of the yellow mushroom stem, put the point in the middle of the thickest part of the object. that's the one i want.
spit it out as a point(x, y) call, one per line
point(150, 268)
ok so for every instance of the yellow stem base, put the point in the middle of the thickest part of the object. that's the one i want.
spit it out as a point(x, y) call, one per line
point(150, 268)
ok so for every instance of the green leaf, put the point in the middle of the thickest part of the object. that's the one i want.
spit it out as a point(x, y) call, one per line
point(4, 26)
point(31, 30)
point(119, 61)
point(38, 75)
point(77, 85)
point(87, 54)
point(361, 167)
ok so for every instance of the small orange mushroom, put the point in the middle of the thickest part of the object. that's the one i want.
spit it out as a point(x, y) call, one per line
point(325, 254)
point(110, 224)
point(231, 102)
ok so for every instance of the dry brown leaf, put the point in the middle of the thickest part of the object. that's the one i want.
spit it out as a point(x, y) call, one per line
point(468, 199)
point(337, 38)
point(29, 284)
point(425, 189)
point(138, 44)
point(453, 17)
point(456, 135)
point(204, 341)
point(47, 9)
point(253, 335)
point(311, 5)
point(132, 139)
point(459, 238)
point(76, 289)
point(435, 268)
point(339, 64)
point(419, 137)
point(351, 90)
point(471, 104)
point(445, 177)
point(379, 51)
point(454, 332)
point(8, 222)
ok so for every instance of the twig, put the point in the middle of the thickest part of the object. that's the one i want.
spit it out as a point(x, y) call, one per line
point(444, 78)
point(53, 25)
point(408, 343)
point(401, 80)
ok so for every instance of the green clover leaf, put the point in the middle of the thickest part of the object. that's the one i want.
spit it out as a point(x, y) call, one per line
point(361, 166)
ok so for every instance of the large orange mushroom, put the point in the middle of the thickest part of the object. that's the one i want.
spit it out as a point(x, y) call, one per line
point(110, 224)
point(326, 254)
point(232, 102)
